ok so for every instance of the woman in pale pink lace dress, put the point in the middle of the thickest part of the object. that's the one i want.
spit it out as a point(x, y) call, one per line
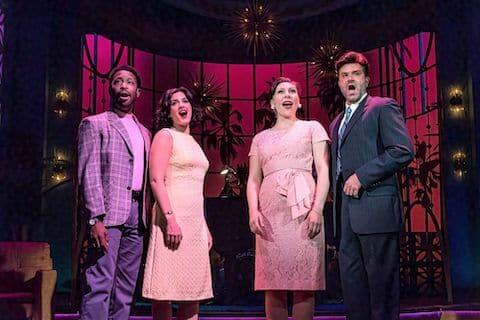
point(178, 264)
point(286, 206)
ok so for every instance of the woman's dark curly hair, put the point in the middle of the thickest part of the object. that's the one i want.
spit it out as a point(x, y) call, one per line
point(162, 117)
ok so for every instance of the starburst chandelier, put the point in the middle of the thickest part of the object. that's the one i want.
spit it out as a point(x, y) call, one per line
point(324, 58)
point(256, 25)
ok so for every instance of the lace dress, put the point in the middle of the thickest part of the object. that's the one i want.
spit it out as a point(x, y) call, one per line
point(286, 258)
point(183, 274)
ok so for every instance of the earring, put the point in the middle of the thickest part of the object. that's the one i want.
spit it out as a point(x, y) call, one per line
point(272, 107)
point(299, 105)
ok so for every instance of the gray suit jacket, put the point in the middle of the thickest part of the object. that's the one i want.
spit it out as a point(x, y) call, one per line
point(105, 168)
point(375, 146)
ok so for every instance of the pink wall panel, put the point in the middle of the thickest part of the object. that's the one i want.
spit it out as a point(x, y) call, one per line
point(213, 185)
point(312, 88)
point(213, 156)
point(242, 158)
point(219, 73)
point(188, 71)
point(123, 58)
point(165, 73)
point(263, 74)
point(316, 112)
point(104, 60)
point(143, 61)
point(296, 72)
point(143, 108)
point(103, 98)
point(241, 81)
point(246, 109)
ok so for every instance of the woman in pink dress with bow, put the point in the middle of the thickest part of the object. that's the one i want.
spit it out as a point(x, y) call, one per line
point(286, 206)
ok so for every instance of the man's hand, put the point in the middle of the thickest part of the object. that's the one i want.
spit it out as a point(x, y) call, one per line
point(173, 236)
point(352, 186)
point(99, 234)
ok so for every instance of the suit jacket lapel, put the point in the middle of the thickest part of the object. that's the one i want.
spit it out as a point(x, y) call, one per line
point(145, 135)
point(117, 125)
point(146, 139)
point(355, 117)
point(335, 127)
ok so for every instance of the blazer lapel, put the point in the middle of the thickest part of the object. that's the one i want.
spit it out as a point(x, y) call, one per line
point(117, 125)
point(146, 139)
point(355, 117)
point(145, 136)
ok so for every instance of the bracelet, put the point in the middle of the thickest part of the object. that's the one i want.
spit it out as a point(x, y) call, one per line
point(318, 212)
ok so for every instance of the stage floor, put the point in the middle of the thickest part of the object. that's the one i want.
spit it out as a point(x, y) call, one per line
point(421, 315)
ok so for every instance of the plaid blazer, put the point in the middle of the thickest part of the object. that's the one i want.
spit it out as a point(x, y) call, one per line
point(105, 168)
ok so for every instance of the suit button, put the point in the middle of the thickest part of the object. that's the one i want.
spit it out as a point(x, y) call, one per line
point(129, 188)
point(130, 160)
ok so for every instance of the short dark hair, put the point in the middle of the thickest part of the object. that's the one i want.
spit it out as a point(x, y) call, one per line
point(126, 68)
point(162, 117)
point(352, 57)
point(279, 80)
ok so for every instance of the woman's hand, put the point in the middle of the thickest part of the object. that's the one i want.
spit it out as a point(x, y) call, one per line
point(173, 235)
point(314, 220)
point(256, 223)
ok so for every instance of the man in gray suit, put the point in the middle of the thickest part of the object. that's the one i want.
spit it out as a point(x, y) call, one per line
point(113, 150)
point(370, 144)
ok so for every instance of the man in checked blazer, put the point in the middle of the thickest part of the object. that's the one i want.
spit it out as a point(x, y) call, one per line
point(113, 150)
point(370, 144)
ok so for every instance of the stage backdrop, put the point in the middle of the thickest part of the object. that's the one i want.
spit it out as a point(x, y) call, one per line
point(405, 70)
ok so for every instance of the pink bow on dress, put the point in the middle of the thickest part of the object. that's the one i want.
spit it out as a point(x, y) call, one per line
point(294, 186)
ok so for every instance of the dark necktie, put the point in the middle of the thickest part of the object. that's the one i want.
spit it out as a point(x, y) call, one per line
point(348, 113)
